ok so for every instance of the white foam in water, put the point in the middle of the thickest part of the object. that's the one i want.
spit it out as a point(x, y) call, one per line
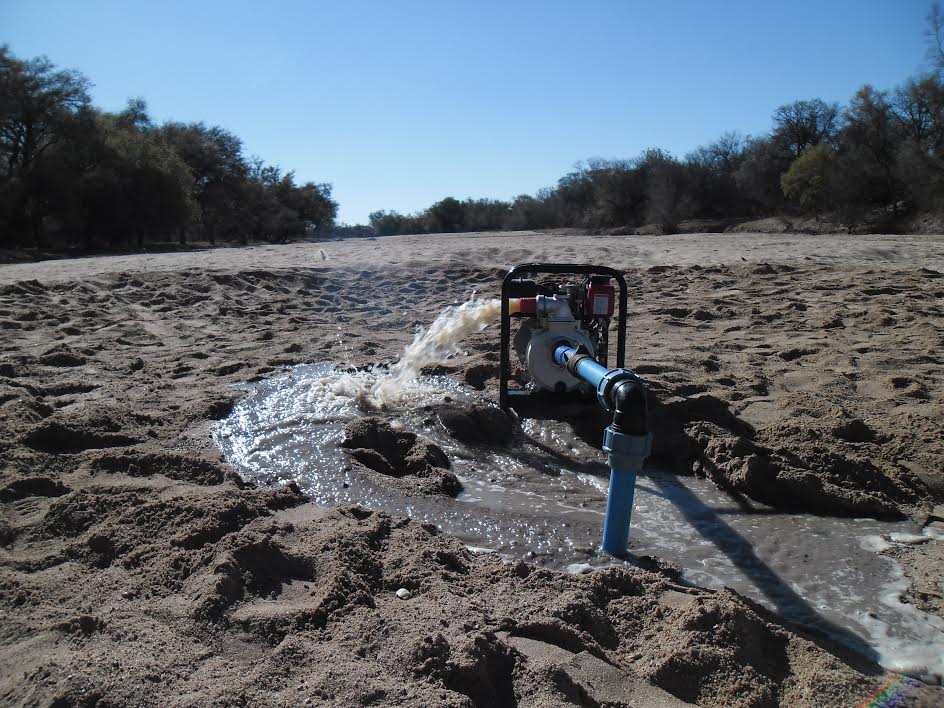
point(931, 532)
point(908, 538)
point(923, 658)
point(875, 543)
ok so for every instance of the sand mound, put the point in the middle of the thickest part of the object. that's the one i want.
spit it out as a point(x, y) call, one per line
point(198, 469)
point(809, 476)
point(316, 596)
point(476, 424)
point(84, 429)
point(417, 464)
point(826, 465)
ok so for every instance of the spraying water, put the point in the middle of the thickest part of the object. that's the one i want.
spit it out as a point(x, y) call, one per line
point(388, 388)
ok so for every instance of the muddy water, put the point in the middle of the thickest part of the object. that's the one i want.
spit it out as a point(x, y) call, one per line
point(543, 497)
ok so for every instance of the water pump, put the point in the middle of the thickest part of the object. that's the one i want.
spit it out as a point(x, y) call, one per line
point(576, 307)
point(562, 348)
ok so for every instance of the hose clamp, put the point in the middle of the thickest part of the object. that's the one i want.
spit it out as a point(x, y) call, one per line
point(573, 359)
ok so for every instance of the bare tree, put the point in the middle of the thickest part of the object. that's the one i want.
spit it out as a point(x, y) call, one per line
point(801, 124)
point(872, 135)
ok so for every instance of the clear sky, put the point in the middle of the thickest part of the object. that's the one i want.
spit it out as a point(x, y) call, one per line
point(399, 104)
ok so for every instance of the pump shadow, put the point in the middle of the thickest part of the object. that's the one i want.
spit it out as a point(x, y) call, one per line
point(534, 459)
point(585, 417)
point(743, 507)
point(709, 524)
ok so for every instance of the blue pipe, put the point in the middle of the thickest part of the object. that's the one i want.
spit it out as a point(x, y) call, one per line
point(589, 370)
point(619, 511)
point(626, 452)
point(561, 353)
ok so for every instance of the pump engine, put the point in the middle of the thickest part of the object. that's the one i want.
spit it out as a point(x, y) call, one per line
point(576, 308)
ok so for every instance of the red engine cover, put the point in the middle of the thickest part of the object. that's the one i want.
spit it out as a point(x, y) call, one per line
point(600, 300)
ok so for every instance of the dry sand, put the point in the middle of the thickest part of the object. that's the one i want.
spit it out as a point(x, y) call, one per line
point(137, 569)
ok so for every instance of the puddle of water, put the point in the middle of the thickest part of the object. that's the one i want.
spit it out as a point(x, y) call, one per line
point(543, 498)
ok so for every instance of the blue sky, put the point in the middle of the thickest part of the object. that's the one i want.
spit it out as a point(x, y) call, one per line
point(399, 104)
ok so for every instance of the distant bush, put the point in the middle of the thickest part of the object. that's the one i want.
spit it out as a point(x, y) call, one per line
point(352, 231)
point(808, 179)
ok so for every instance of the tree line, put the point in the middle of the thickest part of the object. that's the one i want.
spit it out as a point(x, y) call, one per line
point(866, 163)
point(72, 175)
point(877, 158)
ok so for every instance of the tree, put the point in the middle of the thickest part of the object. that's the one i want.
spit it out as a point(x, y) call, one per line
point(808, 179)
point(801, 124)
point(711, 172)
point(918, 110)
point(78, 174)
point(918, 107)
point(301, 209)
point(132, 185)
point(37, 101)
point(315, 207)
point(668, 198)
point(870, 143)
point(484, 214)
point(154, 180)
point(386, 223)
point(445, 216)
point(219, 170)
point(135, 115)
point(758, 176)
point(527, 212)
point(54, 186)
point(618, 189)
point(574, 196)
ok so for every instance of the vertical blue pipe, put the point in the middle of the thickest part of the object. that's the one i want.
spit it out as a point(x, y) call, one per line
point(619, 509)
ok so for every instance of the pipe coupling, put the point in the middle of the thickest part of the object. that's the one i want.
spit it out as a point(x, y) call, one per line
point(626, 450)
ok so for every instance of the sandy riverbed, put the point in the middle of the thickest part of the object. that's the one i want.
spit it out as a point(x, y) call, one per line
point(137, 568)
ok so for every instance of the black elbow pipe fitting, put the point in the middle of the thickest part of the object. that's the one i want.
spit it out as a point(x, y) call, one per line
point(622, 393)
point(619, 391)
point(628, 403)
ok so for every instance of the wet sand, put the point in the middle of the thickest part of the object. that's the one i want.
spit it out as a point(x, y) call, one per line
point(137, 568)
point(530, 488)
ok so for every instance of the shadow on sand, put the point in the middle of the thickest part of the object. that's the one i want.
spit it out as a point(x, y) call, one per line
point(787, 603)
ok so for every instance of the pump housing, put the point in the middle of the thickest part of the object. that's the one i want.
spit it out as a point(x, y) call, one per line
point(557, 304)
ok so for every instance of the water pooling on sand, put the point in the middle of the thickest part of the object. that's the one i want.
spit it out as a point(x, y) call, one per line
point(543, 496)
